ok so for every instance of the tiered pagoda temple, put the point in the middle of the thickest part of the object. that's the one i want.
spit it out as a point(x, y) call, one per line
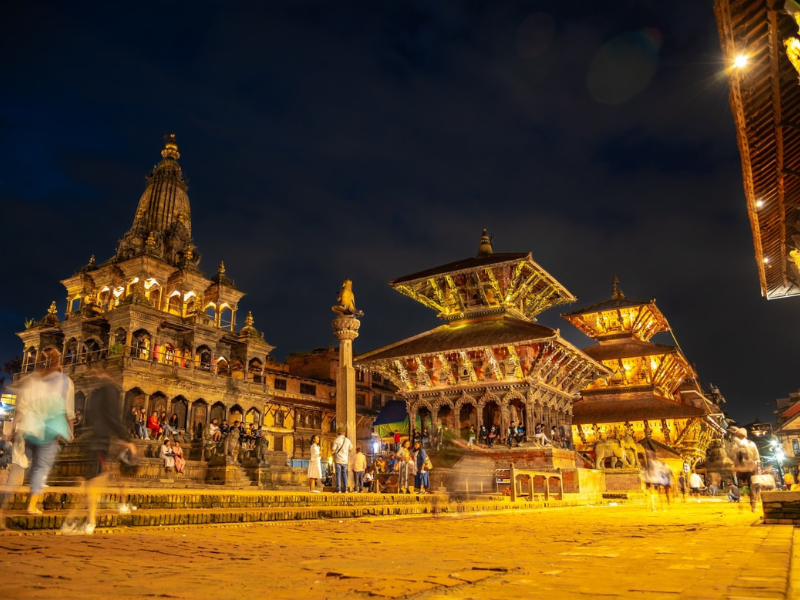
point(651, 391)
point(490, 363)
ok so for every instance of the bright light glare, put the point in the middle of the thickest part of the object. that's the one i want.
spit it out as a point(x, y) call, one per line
point(759, 203)
point(740, 61)
point(766, 259)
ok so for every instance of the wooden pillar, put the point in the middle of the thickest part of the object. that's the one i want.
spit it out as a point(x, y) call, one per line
point(457, 421)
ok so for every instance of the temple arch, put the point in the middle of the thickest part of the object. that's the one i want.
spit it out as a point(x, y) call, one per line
point(222, 366)
point(141, 342)
point(255, 369)
point(180, 406)
point(236, 414)
point(203, 358)
point(219, 412)
point(199, 417)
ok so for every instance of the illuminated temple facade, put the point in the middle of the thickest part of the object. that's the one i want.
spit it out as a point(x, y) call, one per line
point(650, 392)
point(168, 335)
point(490, 363)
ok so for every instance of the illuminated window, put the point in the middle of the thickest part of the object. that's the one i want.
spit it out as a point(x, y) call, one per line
point(796, 447)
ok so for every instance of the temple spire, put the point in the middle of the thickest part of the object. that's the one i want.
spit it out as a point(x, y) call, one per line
point(170, 147)
point(485, 247)
point(162, 226)
point(616, 293)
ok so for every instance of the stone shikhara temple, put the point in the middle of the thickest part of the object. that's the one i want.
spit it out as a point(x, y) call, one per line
point(167, 335)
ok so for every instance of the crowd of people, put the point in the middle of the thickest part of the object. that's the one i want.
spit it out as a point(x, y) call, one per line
point(410, 462)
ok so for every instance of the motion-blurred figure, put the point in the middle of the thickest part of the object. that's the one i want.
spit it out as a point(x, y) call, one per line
point(746, 462)
point(103, 415)
point(652, 474)
point(45, 415)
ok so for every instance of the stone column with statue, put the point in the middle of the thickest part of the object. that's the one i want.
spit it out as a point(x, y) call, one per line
point(345, 328)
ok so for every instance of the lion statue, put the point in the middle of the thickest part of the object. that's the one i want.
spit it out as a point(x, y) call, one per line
point(262, 446)
point(347, 300)
point(617, 450)
point(230, 445)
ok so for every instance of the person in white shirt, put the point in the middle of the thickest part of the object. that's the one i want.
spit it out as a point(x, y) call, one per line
point(695, 483)
point(341, 457)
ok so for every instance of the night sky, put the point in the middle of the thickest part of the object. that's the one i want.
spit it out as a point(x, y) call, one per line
point(370, 140)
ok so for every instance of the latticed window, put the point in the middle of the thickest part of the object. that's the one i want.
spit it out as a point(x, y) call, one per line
point(361, 399)
point(307, 388)
point(280, 384)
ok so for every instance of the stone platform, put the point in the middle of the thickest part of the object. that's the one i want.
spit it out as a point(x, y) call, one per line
point(75, 461)
point(202, 507)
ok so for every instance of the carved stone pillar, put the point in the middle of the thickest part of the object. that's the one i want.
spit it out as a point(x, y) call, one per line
point(345, 328)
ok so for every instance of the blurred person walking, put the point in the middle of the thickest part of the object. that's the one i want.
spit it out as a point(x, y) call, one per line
point(45, 414)
point(746, 462)
point(652, 477)
point(695, 484)
point(682, 485)
point(107, 428)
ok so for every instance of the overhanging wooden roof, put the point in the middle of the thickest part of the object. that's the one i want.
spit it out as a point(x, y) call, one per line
point(765, 101)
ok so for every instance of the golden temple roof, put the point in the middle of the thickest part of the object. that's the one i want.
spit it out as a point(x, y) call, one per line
point(448, 338)
point(490, 283)
point(619, 317)
point(633, 407)
point(627, 349)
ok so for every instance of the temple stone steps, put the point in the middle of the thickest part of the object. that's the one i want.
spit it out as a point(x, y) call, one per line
point(202, 508)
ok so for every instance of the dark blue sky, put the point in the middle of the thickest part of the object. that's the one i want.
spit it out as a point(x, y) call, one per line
point(375, 139)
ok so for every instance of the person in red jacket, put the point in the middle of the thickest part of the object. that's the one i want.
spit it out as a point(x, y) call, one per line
point(153, 425)
point(396, 441)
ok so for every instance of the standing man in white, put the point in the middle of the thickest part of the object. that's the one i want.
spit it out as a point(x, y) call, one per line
point(341, 457)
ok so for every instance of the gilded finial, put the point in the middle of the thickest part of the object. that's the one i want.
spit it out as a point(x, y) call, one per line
point(91, 260)
point(221, 267)
point(485, 247)
point(151, 240)
point(249, 319)
point(170, 147)
point(616, 293)
point(52, 310)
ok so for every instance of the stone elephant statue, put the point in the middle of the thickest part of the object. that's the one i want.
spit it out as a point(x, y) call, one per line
point(616, 449)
